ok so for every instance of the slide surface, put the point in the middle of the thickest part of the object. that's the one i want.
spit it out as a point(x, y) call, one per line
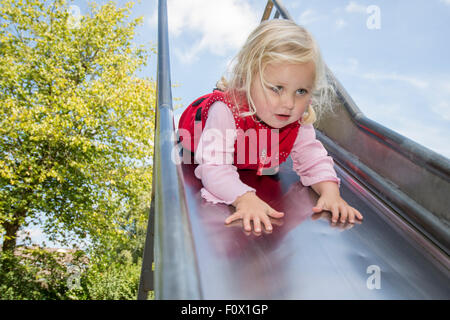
point(305, 256)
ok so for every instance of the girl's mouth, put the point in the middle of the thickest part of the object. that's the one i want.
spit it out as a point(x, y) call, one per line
point(282, 117)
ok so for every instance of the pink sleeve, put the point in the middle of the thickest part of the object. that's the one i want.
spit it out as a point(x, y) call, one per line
point(215, 155)
point(310, 158)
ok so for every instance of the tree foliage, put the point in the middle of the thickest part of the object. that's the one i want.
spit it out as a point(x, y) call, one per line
point(76, 123)
point(34, 273)
point(39, 274)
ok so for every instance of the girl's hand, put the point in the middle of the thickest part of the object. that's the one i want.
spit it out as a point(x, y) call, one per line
point(250, 207)
point(330, 200)
point(337, 206)
point(325, 215)
point(239, 224)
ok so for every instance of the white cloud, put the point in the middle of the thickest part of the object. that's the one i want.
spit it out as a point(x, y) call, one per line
point(187, 55)
point(354, 7)
point(352, 64)
point(436, 100)
point(396, 115)
point(440, 104)
point(432, 137)
point(447, 2)
point(397, 77)
point(429, 124)
point(308, 16)
point(349, 67)
point(442, 108)
point(218, 25)
point(445, 86)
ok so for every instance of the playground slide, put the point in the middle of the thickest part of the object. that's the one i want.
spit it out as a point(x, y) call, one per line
point(306, 257)
point(399, 251)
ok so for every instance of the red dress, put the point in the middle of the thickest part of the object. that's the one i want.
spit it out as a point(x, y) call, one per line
point(258, 146)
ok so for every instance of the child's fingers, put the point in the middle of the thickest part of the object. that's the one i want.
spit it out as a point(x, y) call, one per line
point(317, 209)
point(320, 205)
point(358, 214)
point(344, 213)
point(275, 214)
point(247, 225)
point(267, 223)
point(334, 213)
point(257, 224)
point(351, 215)
point(235, 216)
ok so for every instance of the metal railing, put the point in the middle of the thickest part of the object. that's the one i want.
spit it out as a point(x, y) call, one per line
point(175, 272)
point(410, 178)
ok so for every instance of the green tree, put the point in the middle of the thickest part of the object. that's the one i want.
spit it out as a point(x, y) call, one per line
point(35, 273)
point(76, 123)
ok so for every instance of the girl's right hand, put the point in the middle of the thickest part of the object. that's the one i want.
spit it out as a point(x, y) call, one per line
point(250, 207)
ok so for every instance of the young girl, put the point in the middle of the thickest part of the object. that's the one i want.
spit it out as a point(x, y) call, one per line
point(259, 117)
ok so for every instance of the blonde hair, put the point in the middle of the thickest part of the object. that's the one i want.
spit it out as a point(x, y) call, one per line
point(277, 41)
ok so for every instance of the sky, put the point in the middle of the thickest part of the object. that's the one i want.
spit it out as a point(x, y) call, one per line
point(392, 57)
point(397, 70)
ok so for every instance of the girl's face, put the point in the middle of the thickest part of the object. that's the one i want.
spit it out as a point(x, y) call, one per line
point(287, 94)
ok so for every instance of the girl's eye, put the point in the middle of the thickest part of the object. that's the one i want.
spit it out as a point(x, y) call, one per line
point(302, 91)
point(277, 89)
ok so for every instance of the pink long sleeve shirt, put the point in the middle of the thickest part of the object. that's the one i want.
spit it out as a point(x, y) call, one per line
point(215, 154)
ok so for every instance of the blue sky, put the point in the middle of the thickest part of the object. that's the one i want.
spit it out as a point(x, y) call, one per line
point(398, 75)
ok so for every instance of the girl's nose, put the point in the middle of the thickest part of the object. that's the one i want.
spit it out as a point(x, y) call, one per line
point(288, 101)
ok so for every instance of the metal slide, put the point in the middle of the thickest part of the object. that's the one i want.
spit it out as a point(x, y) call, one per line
point(399, 251)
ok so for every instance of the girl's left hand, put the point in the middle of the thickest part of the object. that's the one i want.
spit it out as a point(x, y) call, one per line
point(338, 207)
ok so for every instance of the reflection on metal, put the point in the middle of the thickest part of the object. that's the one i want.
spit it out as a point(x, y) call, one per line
point(411, 178)
point(282, 10)
point(410, 210)
point(399, 251)
point(307, 257)
point(176, 272)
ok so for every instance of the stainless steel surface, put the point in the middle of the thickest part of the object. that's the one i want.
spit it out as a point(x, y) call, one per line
point(307, 258)
point(418, 179)
point(424, 221)
point(281, 9)
point(176, 272)
point(267, 10)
